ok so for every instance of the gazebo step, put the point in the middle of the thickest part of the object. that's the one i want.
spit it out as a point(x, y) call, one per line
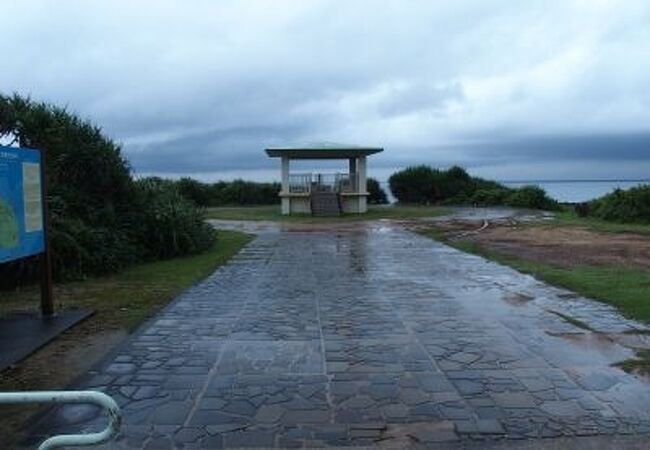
point(325, 204)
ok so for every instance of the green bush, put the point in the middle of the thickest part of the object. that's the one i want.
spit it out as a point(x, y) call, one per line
point(167, 224)
point(490, 197)
point(631, 205)
point(100, 219)
point(532, 197)
point(240, 192)
point(195, 191)
point(419, 184)
point(79, 249)
point(376, 196)
point(455, 182)
point(423, 184)
point(226, 193)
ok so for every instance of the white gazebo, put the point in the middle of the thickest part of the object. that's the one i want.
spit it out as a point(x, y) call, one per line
point(324, 193)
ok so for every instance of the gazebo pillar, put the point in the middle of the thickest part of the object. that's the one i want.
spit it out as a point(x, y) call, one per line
point(352, 165)
point(363, 185)
point(352, 170)
point(286, 201)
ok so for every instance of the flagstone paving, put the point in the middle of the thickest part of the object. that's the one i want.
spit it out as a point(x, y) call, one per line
point(366, 335)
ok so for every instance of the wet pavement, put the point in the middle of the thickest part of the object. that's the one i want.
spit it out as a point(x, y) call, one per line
point(492, 214)
point(369, 335)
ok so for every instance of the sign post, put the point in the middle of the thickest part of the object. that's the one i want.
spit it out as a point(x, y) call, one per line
point(23, 213)
point(47, 297)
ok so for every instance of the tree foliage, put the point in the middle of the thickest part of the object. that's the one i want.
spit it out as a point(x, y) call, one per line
point(376, 196)
point(226, 193)
point(245, 193)
point(99, 217)
point(630, 205)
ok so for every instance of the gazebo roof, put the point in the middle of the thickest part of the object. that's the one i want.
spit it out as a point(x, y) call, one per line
point(321, 151)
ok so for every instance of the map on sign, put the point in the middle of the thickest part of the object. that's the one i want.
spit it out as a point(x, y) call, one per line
point(21, 208)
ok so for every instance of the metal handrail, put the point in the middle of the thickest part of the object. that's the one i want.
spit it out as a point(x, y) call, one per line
point(98, 398)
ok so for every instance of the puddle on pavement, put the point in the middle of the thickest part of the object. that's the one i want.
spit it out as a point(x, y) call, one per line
point(587, 343)
point(518, 298)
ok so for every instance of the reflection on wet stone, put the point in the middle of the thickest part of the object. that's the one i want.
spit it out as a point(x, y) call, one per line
point(361, 335)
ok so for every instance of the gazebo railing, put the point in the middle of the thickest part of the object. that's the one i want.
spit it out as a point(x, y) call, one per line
point(305, 183)
point(348, 182)
point(300, 183)
point(324, 182)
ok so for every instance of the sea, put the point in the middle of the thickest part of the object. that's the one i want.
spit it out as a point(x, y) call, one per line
point(574, 191)
point(568, 191)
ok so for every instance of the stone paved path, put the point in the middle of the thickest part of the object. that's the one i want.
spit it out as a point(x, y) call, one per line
point(366, 335)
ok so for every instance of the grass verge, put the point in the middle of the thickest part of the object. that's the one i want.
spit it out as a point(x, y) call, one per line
point(126, 299)
point(639, 364)
point(568, 217)
point(572, 320)
point(272, 213)
point(626, 288)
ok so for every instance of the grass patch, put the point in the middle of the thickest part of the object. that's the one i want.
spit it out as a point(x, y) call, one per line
point(626, 288)
point(641, 332)
point(640, 364)
point(126, 299)
point(572, 320)
point(272, 213)
point(568, 217)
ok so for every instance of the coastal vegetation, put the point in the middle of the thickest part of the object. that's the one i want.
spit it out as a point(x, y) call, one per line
point(377, 196)
point(101, 219)
point(426, 185)
point(626, 206)
point(247, 193)
point(223, 193)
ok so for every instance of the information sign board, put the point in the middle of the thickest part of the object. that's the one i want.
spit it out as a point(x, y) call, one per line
point(21, 203)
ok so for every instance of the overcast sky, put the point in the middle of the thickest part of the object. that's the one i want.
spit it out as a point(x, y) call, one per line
point(510, 89)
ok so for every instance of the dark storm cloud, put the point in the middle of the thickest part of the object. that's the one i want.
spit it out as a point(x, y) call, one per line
point(198, 152)
point(202, 86)
point(601, 147)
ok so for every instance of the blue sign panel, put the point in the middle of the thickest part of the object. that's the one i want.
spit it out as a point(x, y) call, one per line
point(21, 207)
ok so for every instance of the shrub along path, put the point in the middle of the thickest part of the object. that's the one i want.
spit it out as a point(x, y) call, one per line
point(367, 334)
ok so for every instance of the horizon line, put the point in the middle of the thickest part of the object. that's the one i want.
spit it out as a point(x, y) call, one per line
point(584, 180)
point(570, 180)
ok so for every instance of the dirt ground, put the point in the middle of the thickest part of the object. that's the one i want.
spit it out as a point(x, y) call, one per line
point(561, 246)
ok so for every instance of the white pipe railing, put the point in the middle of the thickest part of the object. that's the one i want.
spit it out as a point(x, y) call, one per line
point(304, 183)
point(300, 183)
point(98, 398)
